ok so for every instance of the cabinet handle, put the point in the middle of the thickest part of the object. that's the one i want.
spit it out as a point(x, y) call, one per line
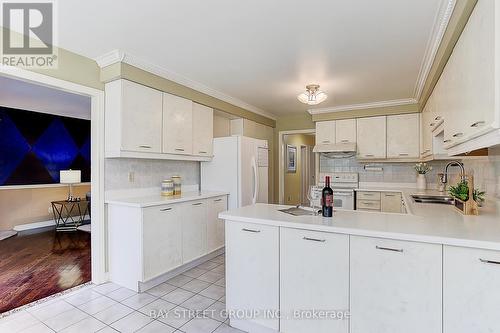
point(250, 230)
point(369, 155)
point(457, 135)
point(145, 146)
point(447, 140)
point(437, 118)
point(367, 203)
point(478, 123)
point(403, 154)
point(368, 194)
point(389, 195)
point(197, 204)
point(325, 141)
point(344, 141)
point(314, 239)
point(217, 200)
point(388, 249)
point(432, 124)
point(484, 261)
point(165, 209)
point(202, 152)
point(179, 149)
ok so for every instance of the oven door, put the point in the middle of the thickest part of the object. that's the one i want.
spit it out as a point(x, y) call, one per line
point(343, 199)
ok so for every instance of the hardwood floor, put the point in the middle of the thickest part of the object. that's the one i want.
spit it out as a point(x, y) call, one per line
point(38, 265)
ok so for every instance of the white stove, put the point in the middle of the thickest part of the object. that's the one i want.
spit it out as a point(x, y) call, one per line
point(343, 185)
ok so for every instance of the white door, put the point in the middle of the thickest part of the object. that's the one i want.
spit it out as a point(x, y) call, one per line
point(395, 286)
point(471, 290)
point(177, 125)
point(403, 136)
point(162, 235)
point(314, 274)
point(252, 272)
point(203, 130)
point(215, 226)
point(325, 132)
point(345, 131)
point(371, 137)
point(194, 230)
point(141, 117)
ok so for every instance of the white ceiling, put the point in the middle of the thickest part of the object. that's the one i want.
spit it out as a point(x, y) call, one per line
point(28, 96)
point(264, 52)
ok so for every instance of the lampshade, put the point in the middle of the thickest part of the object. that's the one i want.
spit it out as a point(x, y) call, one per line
point(312, 95)
point(70, 176)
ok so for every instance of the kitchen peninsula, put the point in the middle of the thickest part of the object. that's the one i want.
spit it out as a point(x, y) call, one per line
point(431, 270)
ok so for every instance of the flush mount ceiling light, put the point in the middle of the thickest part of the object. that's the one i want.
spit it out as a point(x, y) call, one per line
point(312, 95)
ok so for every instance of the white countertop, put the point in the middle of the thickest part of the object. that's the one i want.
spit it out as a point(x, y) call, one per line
point(430, 223)
point(157, 199)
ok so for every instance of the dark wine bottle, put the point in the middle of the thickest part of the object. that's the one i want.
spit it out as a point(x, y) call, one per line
point(327, 199)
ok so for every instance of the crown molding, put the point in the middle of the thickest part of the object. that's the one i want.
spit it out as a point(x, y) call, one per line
point(117, 56)
point(440, 24)
point(362, 106)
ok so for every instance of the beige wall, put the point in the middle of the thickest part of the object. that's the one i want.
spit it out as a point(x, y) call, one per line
point(22, 206)
point(293, 181)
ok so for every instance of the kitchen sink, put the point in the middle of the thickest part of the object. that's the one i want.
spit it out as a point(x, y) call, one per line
point(437, 199)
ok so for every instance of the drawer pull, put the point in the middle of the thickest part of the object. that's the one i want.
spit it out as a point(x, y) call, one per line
point(314, 239)
point(484, 261)
point(458, 135)
point(389, 195)
point(367, 203)
point(165, 209)
point(217, 200)
point(403, 154)
point(368, 194)
point(477, 124)
point(197, 204)
point(250, 230)
point(179, 149)
point(145, 146)
point(202, 152)
point(325, 141)
point(369, 155)
point(388, 249)
point(344, 141)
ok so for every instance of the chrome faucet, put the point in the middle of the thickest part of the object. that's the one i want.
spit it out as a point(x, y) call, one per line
point(444, 177)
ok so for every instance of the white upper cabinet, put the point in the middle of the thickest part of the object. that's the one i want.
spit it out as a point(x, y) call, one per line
point(177, 125)
point(395, 286)
point(403, 136)
point(471, 294)
point(132, 118)
point(325, 132)
point(371, 137)
point(345, 131)
point(427, 124)
point(203, 130)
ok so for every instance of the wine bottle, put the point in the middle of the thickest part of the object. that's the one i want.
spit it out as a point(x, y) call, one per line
point(327, 199)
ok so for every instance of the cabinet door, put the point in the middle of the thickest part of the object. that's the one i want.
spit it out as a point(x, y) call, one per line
point(471, 290)
point(325, 132)
point(252, 272)
point(371, 137)
point(395, 286)
point(314, 273)
point(162, 234)
point(426, 126)
point(203, 130)
point(177, 125)
point(391, 202)
point(403, 136)
point(215, 226)
point(194, 230)
point(141, 113)
point(345, 131)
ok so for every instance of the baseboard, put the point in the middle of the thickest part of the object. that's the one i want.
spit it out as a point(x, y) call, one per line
point(37, 225)
point(143, 286)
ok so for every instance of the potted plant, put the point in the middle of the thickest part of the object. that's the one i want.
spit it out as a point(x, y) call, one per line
point(461, 192)
point(422, 169)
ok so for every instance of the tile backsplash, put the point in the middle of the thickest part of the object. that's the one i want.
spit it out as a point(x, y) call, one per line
point(147, 173)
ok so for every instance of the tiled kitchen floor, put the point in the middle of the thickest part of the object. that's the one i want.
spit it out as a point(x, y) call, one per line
point(110, 308)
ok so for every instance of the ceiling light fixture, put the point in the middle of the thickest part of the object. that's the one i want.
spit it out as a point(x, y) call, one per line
point(312, 95)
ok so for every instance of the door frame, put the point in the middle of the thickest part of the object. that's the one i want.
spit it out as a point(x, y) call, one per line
point(281, 159)
point(98, 229)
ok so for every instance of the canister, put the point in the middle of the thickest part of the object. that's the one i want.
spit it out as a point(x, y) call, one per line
point(167, 188)
point(177, 184)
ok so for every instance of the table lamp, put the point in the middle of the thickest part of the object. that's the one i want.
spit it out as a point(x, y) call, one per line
point(70, 177)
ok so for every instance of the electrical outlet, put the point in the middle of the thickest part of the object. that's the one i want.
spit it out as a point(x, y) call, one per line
point(131, 177)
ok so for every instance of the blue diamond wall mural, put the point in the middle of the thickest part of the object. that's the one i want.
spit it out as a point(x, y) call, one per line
point(34, 147)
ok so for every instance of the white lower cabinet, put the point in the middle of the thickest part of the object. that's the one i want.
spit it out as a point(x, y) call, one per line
point(395, 286)
point(161, 222)
point(314, 274)
point(194, 230)
point(252, 275)
point(471, 295)
point(215, 226)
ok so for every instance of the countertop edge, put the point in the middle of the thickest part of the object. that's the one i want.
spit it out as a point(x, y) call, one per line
point(165, 201)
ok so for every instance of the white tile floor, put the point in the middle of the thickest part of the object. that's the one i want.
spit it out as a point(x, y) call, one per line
point(110, 308)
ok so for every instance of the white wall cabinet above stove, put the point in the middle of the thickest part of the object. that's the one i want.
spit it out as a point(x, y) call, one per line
point(345, 131)
point(141, 122)
point(325, 132)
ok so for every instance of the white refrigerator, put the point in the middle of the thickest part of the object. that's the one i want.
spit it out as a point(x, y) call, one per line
point(240, 167)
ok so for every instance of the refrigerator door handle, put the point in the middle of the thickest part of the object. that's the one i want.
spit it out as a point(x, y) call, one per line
point(255, 181)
